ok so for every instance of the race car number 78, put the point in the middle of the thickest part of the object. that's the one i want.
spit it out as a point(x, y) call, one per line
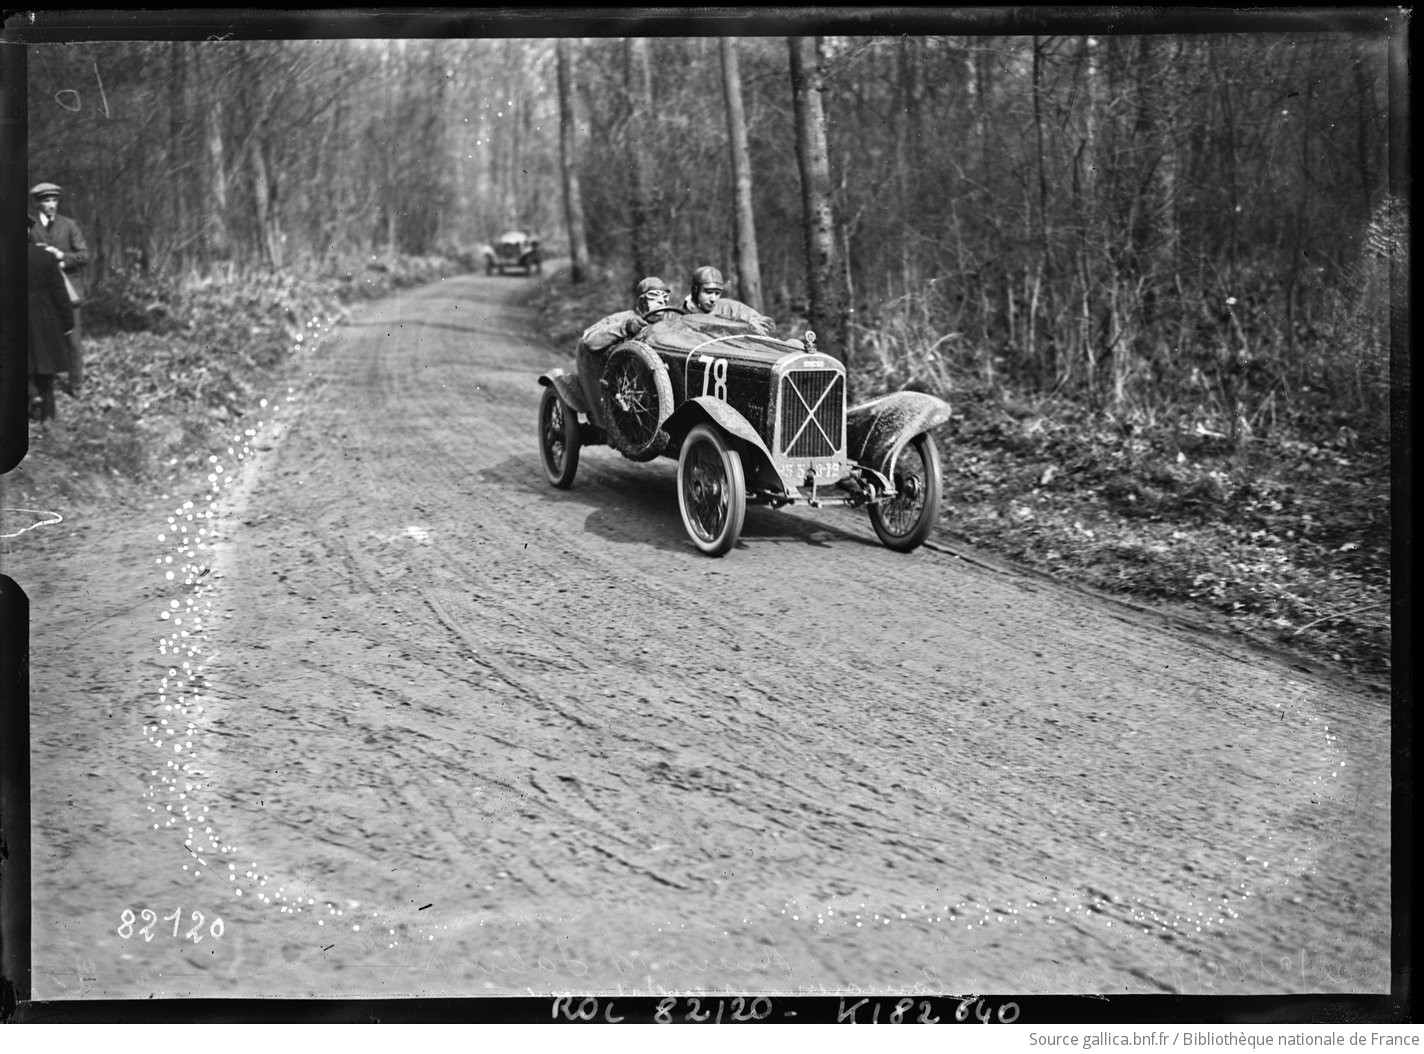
point(714, 377)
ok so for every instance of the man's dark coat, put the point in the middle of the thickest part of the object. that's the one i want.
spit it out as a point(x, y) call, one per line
point(51, 314)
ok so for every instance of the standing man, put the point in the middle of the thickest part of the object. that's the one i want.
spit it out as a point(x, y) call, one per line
point(62, 238)
point(706, 297)
point(51, 320)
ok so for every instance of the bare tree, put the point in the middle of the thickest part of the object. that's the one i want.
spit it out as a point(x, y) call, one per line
point(268, 237)
point(178, 181)
point(216, 243)
point(825, 275)
point(1157, 234)
point(907, 139)
point(748, 263)
point(639, 81)
point(1041, 282)
point(568, 161)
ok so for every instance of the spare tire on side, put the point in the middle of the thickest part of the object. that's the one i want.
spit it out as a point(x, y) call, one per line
point(637, 398)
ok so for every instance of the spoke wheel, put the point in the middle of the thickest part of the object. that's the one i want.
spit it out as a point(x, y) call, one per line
point(905, 521)
point(711, 491)
point(637, 399)
point(558, 439)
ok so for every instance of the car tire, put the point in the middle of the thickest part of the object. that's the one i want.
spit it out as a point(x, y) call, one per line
point(905, 522)
point(636, 395)
point(711, 491)
point(558, 439)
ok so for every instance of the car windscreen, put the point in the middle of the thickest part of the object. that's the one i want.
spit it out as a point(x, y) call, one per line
point(716, 324)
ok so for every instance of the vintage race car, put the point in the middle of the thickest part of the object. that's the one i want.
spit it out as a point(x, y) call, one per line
point(511, 250)
point(750, 420)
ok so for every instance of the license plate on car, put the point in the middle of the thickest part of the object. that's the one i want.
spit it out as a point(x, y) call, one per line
point(796, 472)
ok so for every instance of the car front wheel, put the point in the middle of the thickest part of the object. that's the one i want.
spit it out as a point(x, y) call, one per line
point(905, 521)
point(558, 439)
point(711, 490)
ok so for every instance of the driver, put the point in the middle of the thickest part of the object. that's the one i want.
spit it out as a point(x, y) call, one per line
point(706, 297)
point(650, 295)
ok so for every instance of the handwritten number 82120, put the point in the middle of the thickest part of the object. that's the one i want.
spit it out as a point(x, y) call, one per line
point(128, 921)
point(758, 1009)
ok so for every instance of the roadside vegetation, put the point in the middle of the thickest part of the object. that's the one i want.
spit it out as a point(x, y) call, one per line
point(170, 370)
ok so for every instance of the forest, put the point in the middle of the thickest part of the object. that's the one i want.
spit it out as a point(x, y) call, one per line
point(1120, 255)
point(1132, 219)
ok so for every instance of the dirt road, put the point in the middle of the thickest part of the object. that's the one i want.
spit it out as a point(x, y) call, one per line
point(409, 721)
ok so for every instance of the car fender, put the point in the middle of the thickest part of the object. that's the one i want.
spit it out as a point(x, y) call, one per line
point(706, 408)
point(568, 387)
point(877, 431)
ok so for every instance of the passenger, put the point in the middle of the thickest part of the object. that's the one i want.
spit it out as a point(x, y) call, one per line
point(706, 298)
point(651, 294)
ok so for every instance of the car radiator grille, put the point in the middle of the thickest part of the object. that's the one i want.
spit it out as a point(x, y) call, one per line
point(812, 413)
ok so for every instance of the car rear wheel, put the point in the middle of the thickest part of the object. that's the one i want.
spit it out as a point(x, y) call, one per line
point(558, 439)
point(637, 399)
point(711, 491)
point(905, 521)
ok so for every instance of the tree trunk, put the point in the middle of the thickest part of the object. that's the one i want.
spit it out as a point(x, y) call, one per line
point(979, 82)
point(268, 237)
point(748, 263)
point(568, 160)
point(392, 67)
point(215, 239)
point(1158, 237)
point(1045, 234)
point(268, 252)
point(179, 225)
point(639, 82)
point(514, 121)
point(494, 148)
point(907, 135)
point(824, 274)
point(435, 146)
point(1091, 254)
point(1233, 220)
point(1092, 101)
point(339, 203)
